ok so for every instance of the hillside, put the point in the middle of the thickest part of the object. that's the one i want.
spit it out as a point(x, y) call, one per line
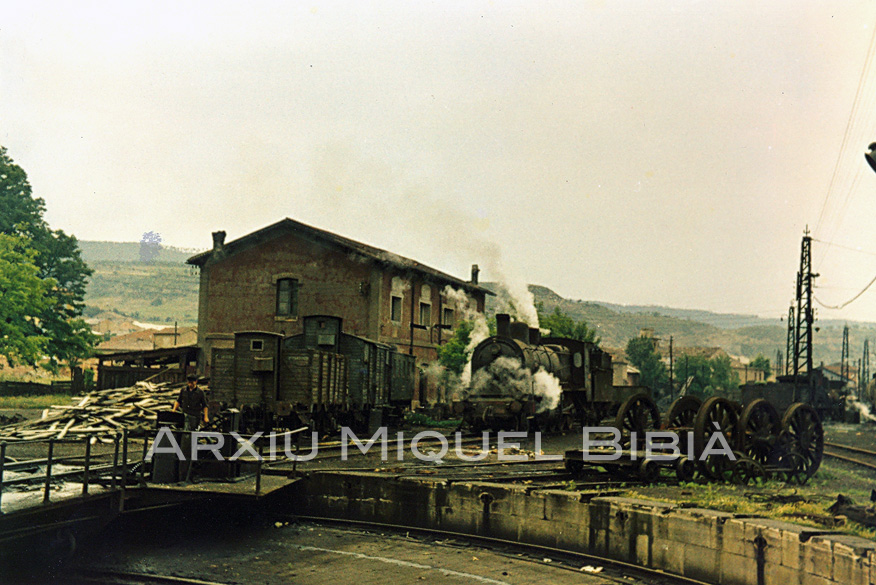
point(93, 251)
point(167, 291)
point(155, 293)
point(742, 335)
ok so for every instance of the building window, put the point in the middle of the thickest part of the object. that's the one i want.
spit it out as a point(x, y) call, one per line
point(447, 317)
point(395, 309)
point(425, 314)
point(287, 297)
point(256, 345)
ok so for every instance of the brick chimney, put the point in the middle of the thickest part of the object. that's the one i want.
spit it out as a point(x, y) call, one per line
point(218, 245)
point(474, 273)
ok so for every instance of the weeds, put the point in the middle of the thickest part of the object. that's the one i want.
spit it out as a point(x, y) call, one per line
point(25, 402)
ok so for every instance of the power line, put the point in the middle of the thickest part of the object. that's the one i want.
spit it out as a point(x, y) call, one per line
point(848, 302)
point(835, 245)
point(861, 81)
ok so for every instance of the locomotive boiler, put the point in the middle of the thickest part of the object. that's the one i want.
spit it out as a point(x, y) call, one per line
point(521, 381)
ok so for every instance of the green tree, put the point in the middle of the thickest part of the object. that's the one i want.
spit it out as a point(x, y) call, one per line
point(562, 325)
point(696, 372)
point(705, 376)
point(724, 377)
point(24, 296)
point(59, 264)
point(452, 355)
point(642, 353)
point(762, 364)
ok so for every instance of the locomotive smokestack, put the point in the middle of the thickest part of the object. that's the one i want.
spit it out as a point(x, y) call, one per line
point(520, 331)
point(474, 273)
point(503, 324)
point(534, 335)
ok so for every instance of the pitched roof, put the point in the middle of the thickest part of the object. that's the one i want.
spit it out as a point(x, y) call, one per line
point(382, 256)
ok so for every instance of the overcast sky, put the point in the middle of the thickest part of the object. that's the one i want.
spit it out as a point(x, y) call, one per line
point(634, 152)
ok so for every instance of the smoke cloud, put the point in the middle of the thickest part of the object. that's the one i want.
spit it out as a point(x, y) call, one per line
point(508, 377)
point(863, 409)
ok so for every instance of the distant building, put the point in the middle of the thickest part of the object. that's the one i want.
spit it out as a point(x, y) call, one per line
point(623, 372)
point(269, 279)
point(149, 339)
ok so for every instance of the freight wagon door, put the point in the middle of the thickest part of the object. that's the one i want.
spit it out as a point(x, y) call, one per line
point(222, 374)
point(402, 377)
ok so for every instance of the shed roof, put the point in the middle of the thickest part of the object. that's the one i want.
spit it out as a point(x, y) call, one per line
point(286, 225)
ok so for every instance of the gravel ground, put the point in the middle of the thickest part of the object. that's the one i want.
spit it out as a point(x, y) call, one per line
point(307, 554)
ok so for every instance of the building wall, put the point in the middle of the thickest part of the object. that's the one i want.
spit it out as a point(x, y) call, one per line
point(238, 293)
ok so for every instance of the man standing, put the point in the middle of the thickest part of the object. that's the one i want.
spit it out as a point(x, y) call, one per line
point(193, 403)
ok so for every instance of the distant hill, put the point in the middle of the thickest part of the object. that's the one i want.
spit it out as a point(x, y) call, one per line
point(93, 251)
point(742, 335)
point(167, 291)
point(162, 292)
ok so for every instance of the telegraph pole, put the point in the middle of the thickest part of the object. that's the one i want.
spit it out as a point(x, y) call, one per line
point(805, 319)
point(789, 347)
point(671, 385)
point(844, 359)
point(865, 368)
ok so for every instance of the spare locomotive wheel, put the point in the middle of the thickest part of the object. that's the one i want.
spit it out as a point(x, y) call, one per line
point(638, 414)
point(802, 425)
point(759, 430)
point(716, 415)
point(682, 413)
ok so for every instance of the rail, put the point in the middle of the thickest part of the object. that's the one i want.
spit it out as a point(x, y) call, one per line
point(122, 465)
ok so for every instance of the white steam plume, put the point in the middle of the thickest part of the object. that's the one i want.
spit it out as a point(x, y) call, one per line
point(862, 408)
point(507, 376)
point(349, 181)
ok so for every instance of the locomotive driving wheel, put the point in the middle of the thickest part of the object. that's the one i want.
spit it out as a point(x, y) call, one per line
point(683, 412)
point(792, 469)
point(638, 414)
point(716, 415)
point(759, 430)
point(746, 471)
point(802, 425)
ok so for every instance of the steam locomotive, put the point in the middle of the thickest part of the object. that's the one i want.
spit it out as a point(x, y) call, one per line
point(508, 389)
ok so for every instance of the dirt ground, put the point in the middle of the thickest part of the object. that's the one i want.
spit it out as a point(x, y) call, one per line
point(277, 552)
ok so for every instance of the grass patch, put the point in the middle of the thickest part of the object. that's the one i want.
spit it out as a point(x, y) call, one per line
point(806, 505)
point(420, 419)
point(24, 402)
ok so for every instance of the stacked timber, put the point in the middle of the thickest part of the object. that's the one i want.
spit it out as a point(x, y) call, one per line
point(101, 414)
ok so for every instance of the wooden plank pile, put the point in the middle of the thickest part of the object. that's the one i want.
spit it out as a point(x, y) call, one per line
point(101, 414)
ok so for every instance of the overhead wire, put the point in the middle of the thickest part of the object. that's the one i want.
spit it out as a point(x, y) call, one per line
point(829, 222)
point(849, 125)
point(848, 302)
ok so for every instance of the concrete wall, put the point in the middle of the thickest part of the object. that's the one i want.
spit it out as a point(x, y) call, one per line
point(712, 546)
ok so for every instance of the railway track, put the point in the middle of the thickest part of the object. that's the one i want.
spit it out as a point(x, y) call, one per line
point(855, 455)
point(110, 577)
point(617, 571)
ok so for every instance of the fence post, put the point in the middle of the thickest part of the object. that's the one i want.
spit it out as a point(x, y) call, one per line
point(143, 459)
point(49, 471)
point(115, 461)
point(2, 466)
point(259, 477)
point(85, 477)
point(124, 475)
point(297, 451)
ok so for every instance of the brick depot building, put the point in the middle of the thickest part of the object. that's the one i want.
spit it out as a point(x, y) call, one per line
point(269, 279)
